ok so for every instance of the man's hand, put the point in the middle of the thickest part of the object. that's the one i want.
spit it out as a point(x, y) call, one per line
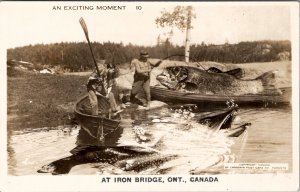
point(97, 93)
point(99, 80)
point(108, 91)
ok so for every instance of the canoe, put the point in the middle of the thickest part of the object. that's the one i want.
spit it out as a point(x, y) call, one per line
point(172, 96)
point(95, 130)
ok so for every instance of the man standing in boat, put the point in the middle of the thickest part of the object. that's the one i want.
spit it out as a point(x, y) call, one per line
point(101, 86)
point(141, 84)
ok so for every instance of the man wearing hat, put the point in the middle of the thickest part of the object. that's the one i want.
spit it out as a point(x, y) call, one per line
point(141, 84)
point(101, 85)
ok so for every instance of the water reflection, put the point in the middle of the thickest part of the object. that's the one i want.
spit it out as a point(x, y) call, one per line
point(33, 149)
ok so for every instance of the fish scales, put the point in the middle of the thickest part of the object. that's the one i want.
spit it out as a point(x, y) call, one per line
point(192, 79)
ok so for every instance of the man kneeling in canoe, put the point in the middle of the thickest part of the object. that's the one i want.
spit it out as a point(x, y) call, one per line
point(101, 86)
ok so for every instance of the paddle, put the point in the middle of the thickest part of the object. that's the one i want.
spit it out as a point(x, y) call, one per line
point(84, 27)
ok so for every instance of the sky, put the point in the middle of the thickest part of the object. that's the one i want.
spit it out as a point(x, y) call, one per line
point(27, 23)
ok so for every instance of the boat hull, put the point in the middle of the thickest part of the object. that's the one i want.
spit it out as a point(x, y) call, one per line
point(95, 130)
point(166, 95)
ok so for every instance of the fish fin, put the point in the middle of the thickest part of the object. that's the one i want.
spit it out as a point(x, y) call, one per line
point(237, 73)
point(83, 148)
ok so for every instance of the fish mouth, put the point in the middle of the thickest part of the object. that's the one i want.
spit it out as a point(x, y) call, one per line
point(223, 120)
point(236, 132)
point(173, 77)
point(48, 169)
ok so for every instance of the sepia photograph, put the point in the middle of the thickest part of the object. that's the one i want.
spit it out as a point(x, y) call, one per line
point(142, 96)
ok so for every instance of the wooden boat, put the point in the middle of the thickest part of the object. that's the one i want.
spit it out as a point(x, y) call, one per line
point(166, 95)
point(95, 130)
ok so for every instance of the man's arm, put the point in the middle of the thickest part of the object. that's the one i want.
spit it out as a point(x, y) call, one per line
point(110, 83)
point(157, 63)
point(108, 91)
point(93, 79)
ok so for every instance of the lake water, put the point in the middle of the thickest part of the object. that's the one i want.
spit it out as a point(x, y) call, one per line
point(268, 140)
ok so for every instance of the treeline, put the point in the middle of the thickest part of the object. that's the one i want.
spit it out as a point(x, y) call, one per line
point(76, 56)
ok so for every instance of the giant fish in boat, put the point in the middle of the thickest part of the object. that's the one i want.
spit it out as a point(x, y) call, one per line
point(216, 82)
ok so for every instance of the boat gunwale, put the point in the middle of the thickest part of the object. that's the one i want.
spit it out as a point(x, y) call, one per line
point(174, 94)
point(87, 115)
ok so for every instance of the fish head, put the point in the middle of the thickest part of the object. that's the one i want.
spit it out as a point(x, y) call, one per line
point(172, 77)
point(47, 169)
point(222, 119)
point(236, 132)
point(177, 73)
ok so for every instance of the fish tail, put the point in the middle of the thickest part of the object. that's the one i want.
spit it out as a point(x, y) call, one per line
point(268, 80)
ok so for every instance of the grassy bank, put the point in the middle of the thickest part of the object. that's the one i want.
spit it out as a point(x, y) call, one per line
point(40, 100)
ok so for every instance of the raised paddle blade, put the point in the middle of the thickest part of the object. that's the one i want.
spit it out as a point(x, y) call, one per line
point(84, 27)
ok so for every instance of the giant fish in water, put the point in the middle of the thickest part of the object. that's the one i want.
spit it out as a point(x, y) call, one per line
point(139, 158)
point(213, 81)
point(128, 158)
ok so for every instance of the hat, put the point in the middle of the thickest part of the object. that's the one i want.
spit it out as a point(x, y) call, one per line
point(144, 54)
